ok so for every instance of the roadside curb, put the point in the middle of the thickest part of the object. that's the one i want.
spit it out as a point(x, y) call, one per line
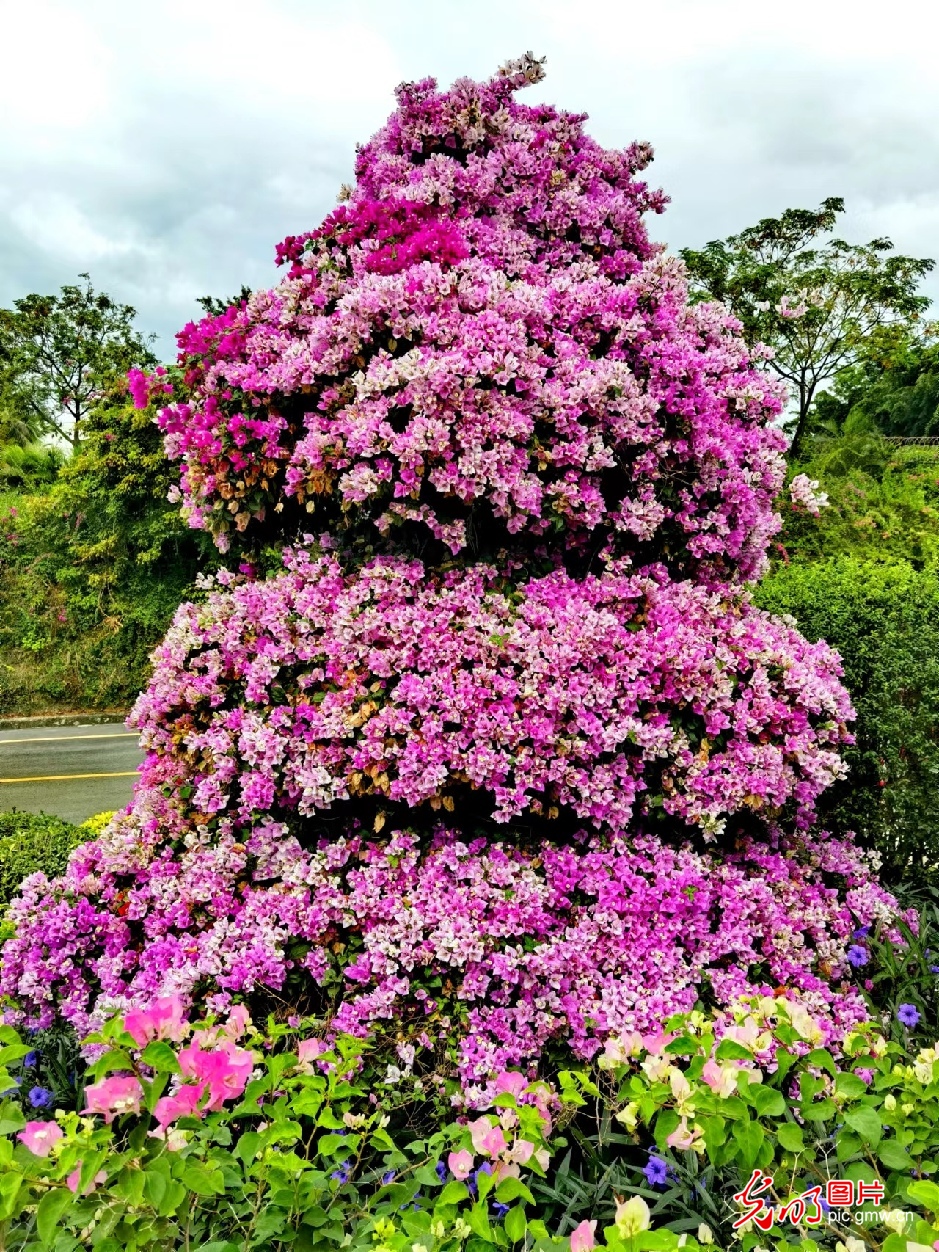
point(61, 719)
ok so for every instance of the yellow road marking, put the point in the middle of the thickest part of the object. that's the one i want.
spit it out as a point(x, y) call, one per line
point(121, 734)
point(130, 773)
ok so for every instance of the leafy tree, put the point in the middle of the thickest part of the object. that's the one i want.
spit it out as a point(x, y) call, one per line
point(62, 353)
point(815, 302)
point(894, 389)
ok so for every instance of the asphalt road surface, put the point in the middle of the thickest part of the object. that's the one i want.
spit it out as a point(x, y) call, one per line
point(72, 771)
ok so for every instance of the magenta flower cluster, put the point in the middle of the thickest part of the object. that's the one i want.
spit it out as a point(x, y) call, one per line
point(503, 760)
point(611, 695)
point(485, 332)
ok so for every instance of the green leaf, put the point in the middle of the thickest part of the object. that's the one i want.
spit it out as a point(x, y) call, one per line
point(510, 1189)
point(895, 1156)
point(154, 1186)
point(847, 1145)
point(161, 1057)
point(478, 1218)
point(51, 1207)
point(821, 1058)
point(766, 1100)
point(924, 1193)
point(850, 1085)
point(196, 1177)
point(9, 1189)
point(453, 1193)
point(730, 1050)
point(819, 1111)
point(790, 1137)
point(515, 1223)
point(866, 1122)
point(749, 1136)
point(333, 1145)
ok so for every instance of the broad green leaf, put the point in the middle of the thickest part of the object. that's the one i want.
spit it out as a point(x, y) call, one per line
point(865, 1121)
point(790, 1137)
point(515, 1223)
point(850, 1085)
point(821, 1058)
point(51, 1208)
point(895, 1156)
point(730, 1050)
point(478, 1219)
point(924, 1193)
point(766, 1100)
point(819, 1111)
point(9, 1189)
point(510, 1189)
point(196, 1177)
point(749, 1136)
point(161, 1057)
point(453, 1193)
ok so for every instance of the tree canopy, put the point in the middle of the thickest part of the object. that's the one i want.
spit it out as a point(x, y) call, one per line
point(815, 300)
point(59, 355)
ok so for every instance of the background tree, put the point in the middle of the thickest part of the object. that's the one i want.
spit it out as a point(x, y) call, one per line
point(893, 389)
point(816, 304)
point(62, 353)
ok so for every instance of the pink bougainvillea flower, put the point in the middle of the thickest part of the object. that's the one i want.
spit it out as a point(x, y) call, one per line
point(113, 1097)
point(40, 1136)
point(684, 1137)
point(511, 1083)
point(460, 1164)
point(183, 1103)
point(487, 1139)
point(583, 1236)
point(224, 1070)
point(521, 1151)
point(163, 1019)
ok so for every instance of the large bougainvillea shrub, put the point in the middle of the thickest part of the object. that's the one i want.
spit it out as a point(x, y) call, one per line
point(484, 746)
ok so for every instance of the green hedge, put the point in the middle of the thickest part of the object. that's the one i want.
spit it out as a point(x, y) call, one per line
point(883, 617)
point(31, 842)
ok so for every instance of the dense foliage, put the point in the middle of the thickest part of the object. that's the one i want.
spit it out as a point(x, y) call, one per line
point(883, 617)
point(91, 569)
point(893, 389)
point(230, 1137)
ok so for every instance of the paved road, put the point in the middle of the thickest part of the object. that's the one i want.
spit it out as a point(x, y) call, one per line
point(72, 771)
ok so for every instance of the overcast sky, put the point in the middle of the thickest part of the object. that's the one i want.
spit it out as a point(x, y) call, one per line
point(166, 146)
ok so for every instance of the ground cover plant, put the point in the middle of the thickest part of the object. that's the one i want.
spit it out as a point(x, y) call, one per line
point(480, 749)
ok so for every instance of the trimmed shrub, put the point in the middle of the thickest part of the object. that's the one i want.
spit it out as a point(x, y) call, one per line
point(31, 842)
point(883, 617)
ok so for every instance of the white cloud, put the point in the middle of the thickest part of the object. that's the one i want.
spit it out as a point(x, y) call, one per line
point(169, 146)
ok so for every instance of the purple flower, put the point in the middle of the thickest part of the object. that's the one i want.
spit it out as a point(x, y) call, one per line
point(30, 1059)
point(862, 932)
point(388, 1178)
point(342, 1174)
point(656, 1171)
point(857, 955)
point(908, 1014)
point(499, 1210)
point(40, 1097)
point(440, 1169)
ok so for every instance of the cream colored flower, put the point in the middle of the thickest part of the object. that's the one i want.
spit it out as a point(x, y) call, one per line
point(850, 1244)
point(896, 1220)
point(632, 1217)
point(628, 1116)
point(705, 1233)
